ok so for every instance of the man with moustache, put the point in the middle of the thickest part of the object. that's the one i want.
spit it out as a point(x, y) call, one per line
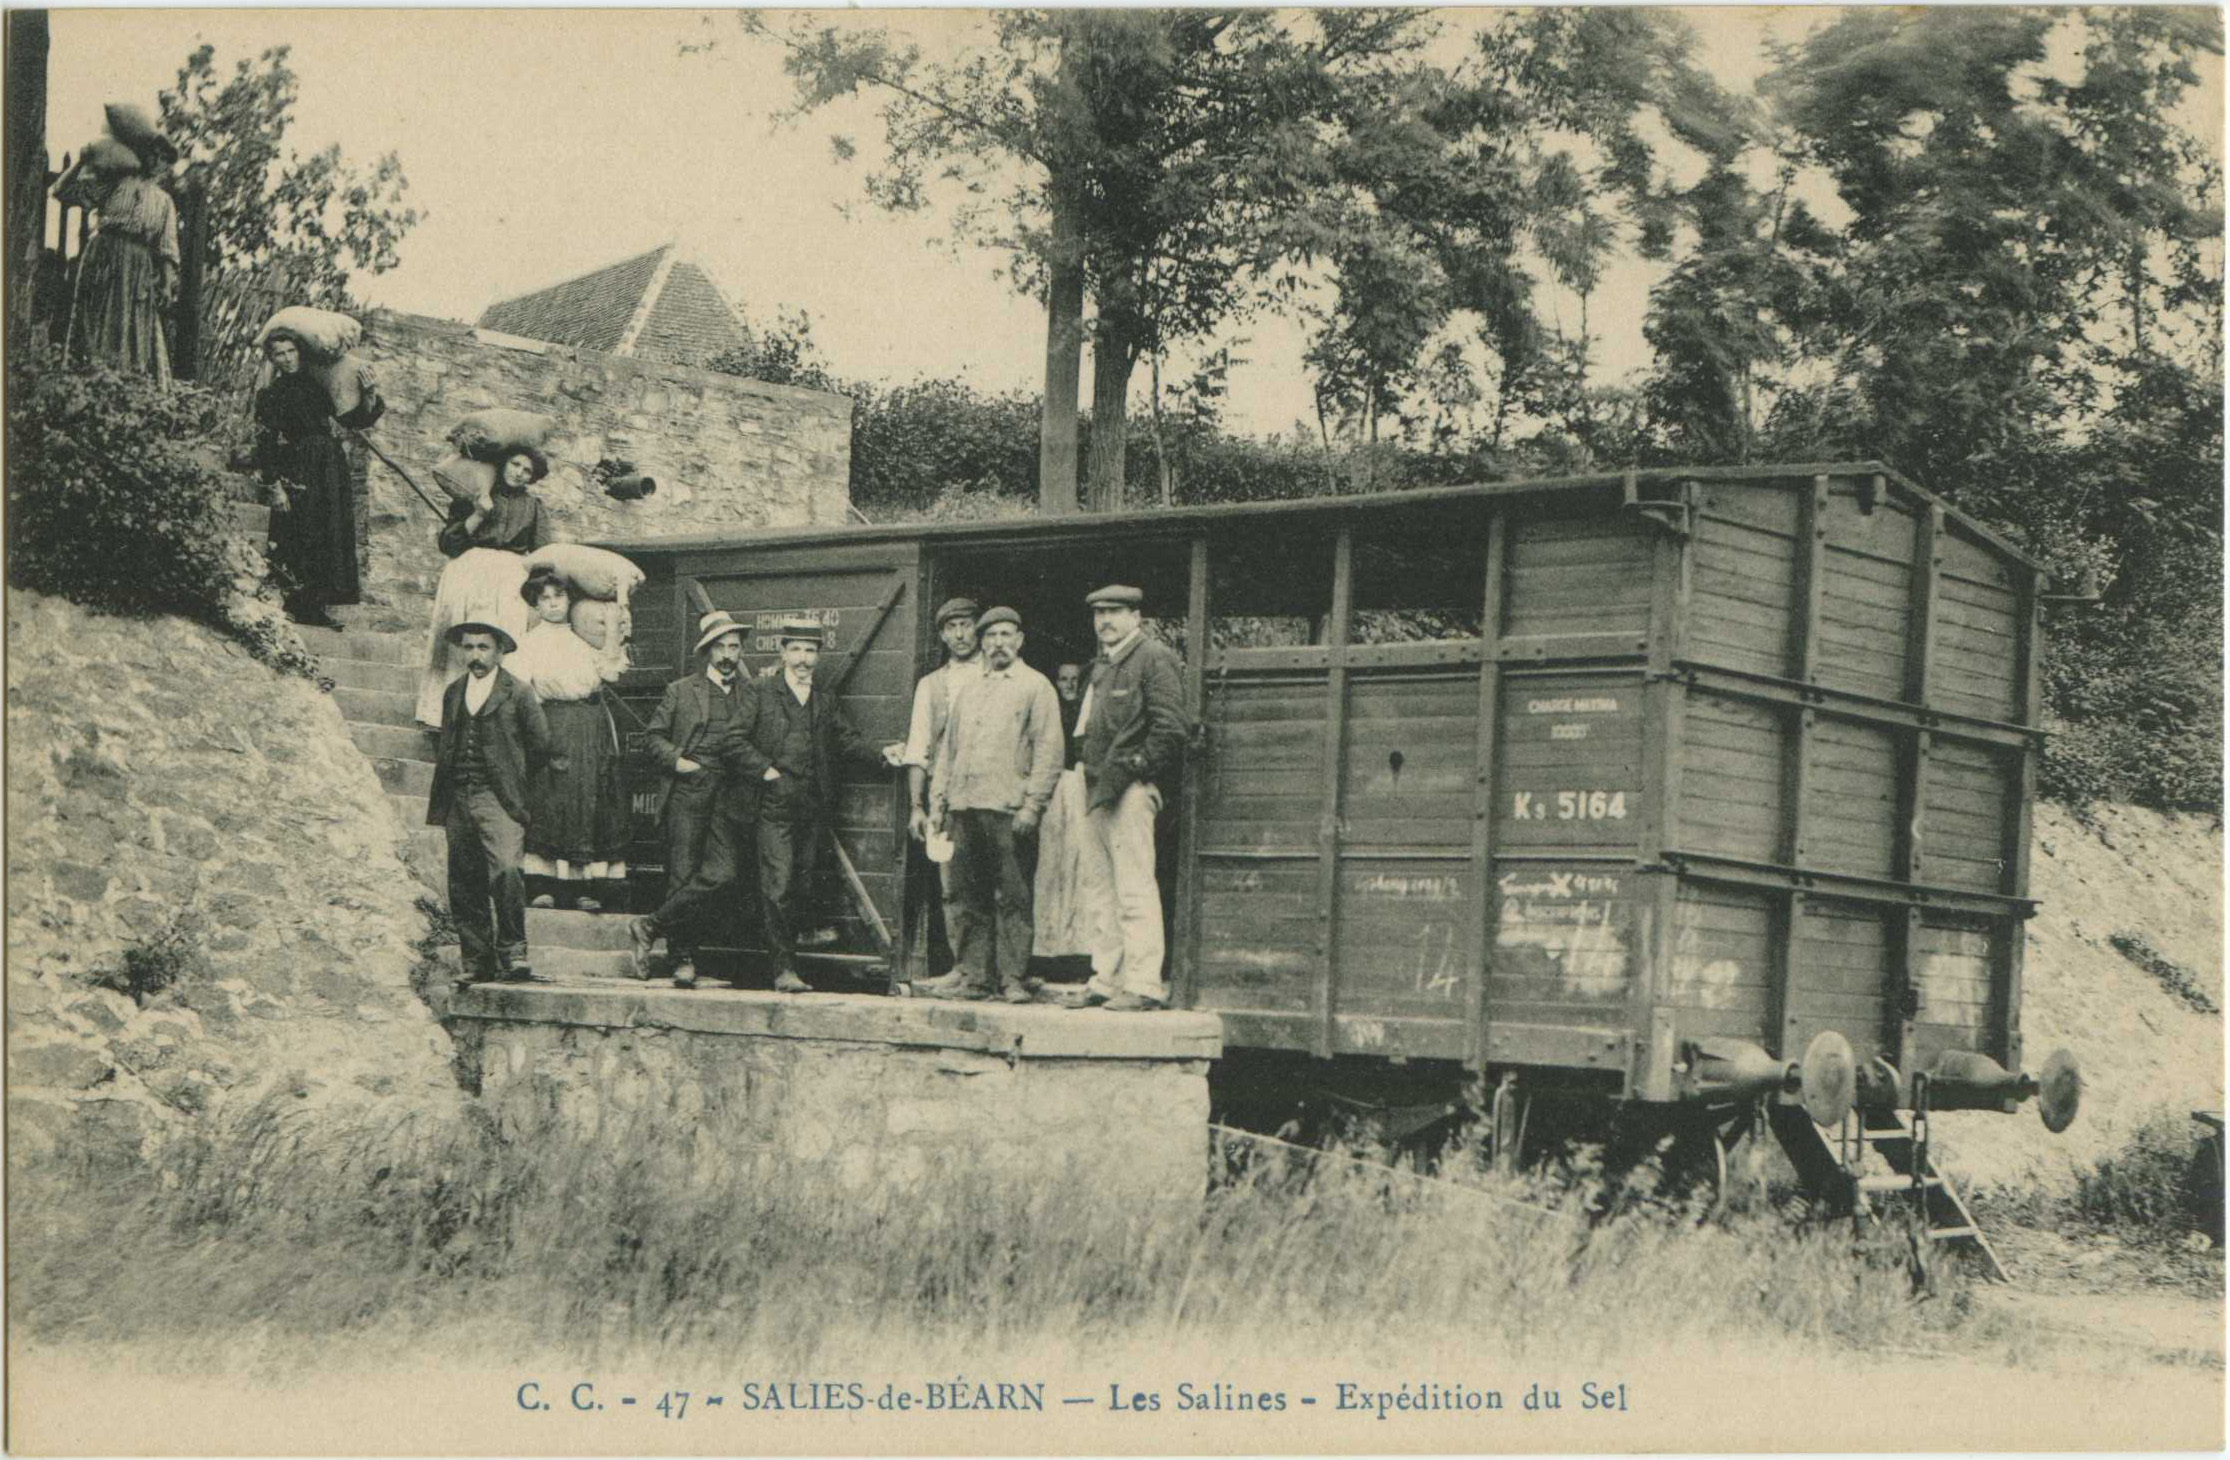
point(705, 806)
point(790, 741)
point(995, 774)
point(493, 735)
point(933, 695)
point(1131, 731)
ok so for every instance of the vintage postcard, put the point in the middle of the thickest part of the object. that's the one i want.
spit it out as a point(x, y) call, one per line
point(1114, 731)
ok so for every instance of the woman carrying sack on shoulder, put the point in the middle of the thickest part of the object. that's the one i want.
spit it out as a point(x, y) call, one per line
point(313, 508)
point(486, 541)
point(128, 275)
point(577, 817)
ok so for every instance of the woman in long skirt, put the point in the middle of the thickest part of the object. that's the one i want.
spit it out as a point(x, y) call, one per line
point(577, 823)
point(126, 280)
point(486, 542)
point(313, 510)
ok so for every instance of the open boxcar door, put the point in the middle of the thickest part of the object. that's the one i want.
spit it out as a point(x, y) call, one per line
point(864, 596)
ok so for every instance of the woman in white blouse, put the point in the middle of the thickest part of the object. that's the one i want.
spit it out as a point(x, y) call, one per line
point(577, 829)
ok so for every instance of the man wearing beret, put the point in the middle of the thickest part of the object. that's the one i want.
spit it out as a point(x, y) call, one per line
point(704, 808)
point(791, 741)
point(1001, 756)
point(933, 696)
point(493, 735)
point(1131, 731)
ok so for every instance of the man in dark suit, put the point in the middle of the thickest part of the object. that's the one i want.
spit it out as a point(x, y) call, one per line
point(705, 808)
point(791, 741)
point(492, 735)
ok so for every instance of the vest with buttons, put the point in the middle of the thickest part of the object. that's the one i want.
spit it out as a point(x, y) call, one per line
point(793, 751)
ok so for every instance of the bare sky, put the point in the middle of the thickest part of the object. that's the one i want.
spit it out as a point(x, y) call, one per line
point(546, 143)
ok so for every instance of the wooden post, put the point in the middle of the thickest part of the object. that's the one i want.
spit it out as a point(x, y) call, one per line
point(1917, 747)
point(1648, 1069)
point(2022, 808)
point(1482, 925)
point(193, 248)
point(1323, 998)
point(1187, 941)
point(26, 175)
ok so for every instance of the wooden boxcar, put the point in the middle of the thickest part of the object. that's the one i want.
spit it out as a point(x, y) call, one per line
point(1622, 781)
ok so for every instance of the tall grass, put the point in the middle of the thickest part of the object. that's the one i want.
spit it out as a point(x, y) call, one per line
point(649, 1243)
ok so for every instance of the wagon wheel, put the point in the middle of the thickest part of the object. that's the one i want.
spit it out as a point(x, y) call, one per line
point(1728, 1131)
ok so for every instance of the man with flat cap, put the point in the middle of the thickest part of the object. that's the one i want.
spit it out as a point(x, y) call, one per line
point(995, 774)
point(933, 695)
point(493, 735)
point(705, 807)
point(1130, 733)
point(790, 742)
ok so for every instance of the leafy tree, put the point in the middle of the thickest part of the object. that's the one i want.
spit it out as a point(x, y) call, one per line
point(316, 218)
point(1158, 151)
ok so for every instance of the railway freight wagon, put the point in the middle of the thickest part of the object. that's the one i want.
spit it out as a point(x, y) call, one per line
point(1641, 787)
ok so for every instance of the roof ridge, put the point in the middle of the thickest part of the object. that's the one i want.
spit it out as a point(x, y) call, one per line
point(667, 246)
point(659, 277)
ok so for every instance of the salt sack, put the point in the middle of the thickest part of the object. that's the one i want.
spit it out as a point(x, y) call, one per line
point(591, 572)
point(598, 621)
point(109, 158)
point(495, 433)
point(465, 479)
point(132, 126)
point(324, 335)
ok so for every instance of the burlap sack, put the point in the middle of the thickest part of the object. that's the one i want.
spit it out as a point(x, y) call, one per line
point(465, 479)
point(495, 433)
point(324, 335)
point(591, 572)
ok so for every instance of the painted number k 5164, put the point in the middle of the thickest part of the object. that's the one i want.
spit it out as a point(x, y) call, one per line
point(1568, 805)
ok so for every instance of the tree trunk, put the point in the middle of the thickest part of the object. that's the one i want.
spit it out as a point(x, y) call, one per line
point(1114, 349)
point(25, 147)
point(1064, 345)
point(1161, 450)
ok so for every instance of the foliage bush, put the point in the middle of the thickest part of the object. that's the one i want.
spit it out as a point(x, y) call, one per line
point(2140, 1188)
point(115, 501)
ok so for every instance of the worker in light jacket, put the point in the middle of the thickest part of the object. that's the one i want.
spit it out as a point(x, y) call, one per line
point(1130, 734)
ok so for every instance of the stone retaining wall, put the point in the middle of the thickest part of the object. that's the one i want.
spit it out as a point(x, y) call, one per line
point(868, 1089)
point(729, 454)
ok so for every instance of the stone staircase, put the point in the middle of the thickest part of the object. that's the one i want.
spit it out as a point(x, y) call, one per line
point(375, 681)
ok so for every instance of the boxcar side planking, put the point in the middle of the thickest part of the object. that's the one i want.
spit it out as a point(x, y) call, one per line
point(1647, 785)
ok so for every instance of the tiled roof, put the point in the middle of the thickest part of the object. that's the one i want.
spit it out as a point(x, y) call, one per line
point(686, 321)
point(690, 322)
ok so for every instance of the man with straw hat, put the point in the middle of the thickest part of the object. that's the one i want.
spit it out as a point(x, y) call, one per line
point(792, 740)
point(492, 735)
point(705, 808)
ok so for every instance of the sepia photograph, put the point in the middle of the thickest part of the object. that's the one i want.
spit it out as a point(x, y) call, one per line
point(1114, 730)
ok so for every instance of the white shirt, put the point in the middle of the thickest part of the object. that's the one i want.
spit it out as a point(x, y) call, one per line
point(1084, 711)
point(933, 701)
point(477, 689)
point(725, 686)
point(801, 691)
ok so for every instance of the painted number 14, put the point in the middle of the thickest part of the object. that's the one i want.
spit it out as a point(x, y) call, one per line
point(1569, 806)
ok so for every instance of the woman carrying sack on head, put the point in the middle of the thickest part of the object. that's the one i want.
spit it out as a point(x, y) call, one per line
point(486, 541)
point(577, 823)
point(313, 507)
point(128, 275)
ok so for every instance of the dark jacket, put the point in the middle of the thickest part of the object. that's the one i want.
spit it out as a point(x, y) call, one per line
point(677, 728)
point(756, 736)
point(1138, 726)
point(515, 740)
point(515, 523)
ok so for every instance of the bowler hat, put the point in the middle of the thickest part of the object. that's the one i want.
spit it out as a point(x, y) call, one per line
point(504, 641)
point(1115, 595)
point(717, 624)
point(999, 616)
point(956, 608)
point(800, 631)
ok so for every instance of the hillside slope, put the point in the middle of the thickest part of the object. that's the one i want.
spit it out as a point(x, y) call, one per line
point(161, 783)
point(2120, 870)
